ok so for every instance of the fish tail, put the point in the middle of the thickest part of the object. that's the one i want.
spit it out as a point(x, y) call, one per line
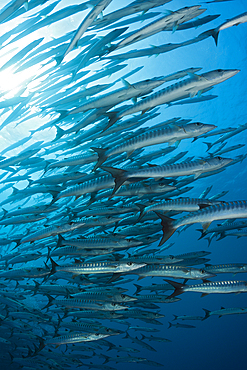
point(60, 241)
point(63, 114)
point(53, 267)
point(59, 59)
point(214, 32)
point(101, 157)
point(209, 145)
point(202, 233)
point(207, 313)
point(142, 211)
point(170, 325)
point(60, 133)
point(37, 285)
point(167, 227)
point(119, 176)
point(41, 346)
point(51, 299)
point(177, 286)
point(175, 317)
point(112, 119)
point(138, 288)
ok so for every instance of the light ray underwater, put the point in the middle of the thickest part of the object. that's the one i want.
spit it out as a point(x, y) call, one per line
point(123, 196)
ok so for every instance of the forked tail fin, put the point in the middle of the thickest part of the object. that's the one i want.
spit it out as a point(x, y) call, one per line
point(177, 286)
point(101, 157)
point(167, 227)
point(207, 313)
point(119, 176)
point(214, 32)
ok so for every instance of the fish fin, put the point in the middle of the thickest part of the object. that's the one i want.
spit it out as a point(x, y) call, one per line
point(58, 59)
point(60, 133)
point(170, 325)
point(51, 299)
point(142, 211)
point(26, 5)
point(144, 111)
point(174, 27)
point(214, 33)
point(207, 313)
point(193, 94)
point(54, 266)
point(113, 117)
point(209, 145)
point(203, 205)
point(177, 286)
point(205, 225)
point(204, 294)
point(129, 153)
point(119, 176)
point(140, 278)
point(60, 240)
point(126, 83)
point(101, 157)
point(196, 175)
point(138, 288)
point(167, 227)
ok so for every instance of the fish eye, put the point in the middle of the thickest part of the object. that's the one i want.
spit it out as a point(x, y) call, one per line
point(198, 124)
point(219, 158)
point(203, 271)
point(129, 263)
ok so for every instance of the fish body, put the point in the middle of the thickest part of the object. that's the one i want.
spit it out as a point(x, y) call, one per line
point(97, 267)
point(174, 19)
point(223, 287)
point(173, 271)
point(87, 21)
point(181, 90)
point(195, 168)
point(225, 311)
point(224, 210)
point(170, 134)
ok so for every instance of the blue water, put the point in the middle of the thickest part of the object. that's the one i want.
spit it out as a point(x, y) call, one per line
point(215, 343)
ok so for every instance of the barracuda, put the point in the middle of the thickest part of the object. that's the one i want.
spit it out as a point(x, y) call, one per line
point(172, 20)
point(226, 268)
point(90, 327)
point(51, 231)
point(119, 95)
point(224, 210)
point(169, 134)
point(195, 168)
point(235, 21)
point(134, 7)
point(74, 338)
point(173, 271)
point(229, 286)
point(96, 267)
point(87, 21)
point(225, 311)
point(180, 90)
point(96, 243)
point(84, 304)
point(180, 204)
point(104, 296)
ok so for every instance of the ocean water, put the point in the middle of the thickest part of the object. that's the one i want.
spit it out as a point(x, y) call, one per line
point(216, 343)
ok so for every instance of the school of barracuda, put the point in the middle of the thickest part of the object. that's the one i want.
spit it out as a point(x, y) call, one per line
point(96, 207)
